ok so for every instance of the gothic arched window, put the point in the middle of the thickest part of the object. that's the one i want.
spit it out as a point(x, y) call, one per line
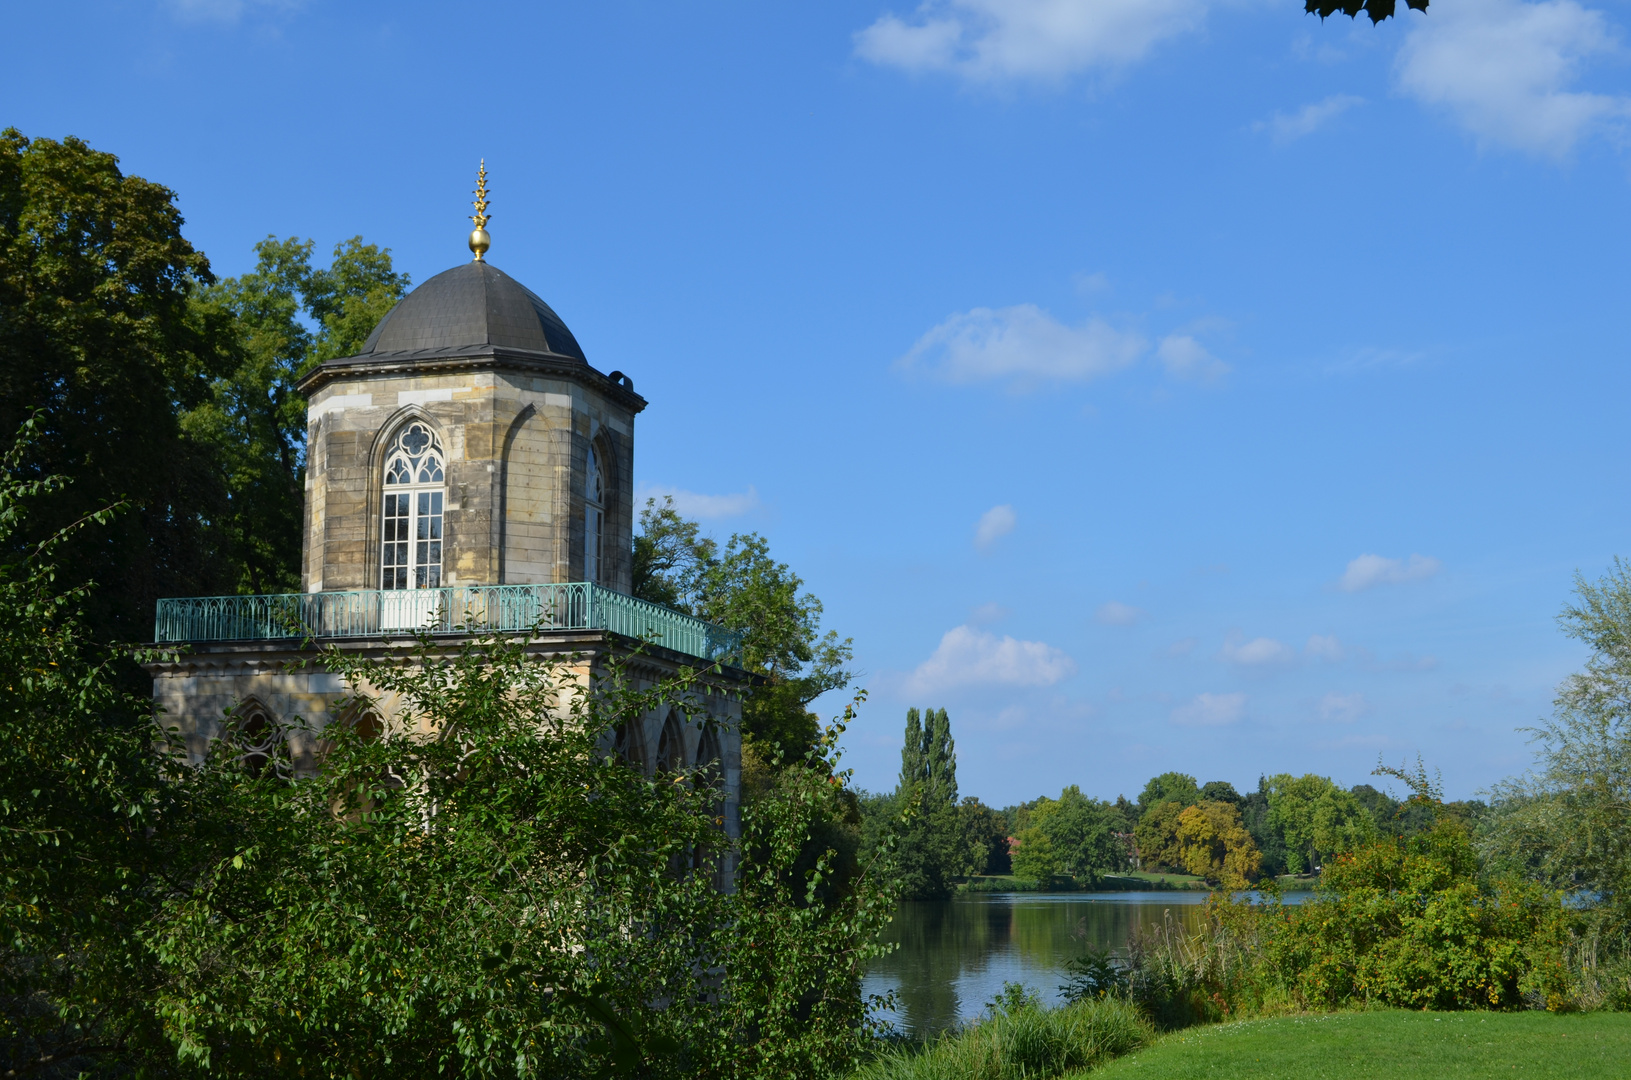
point(671, 746)
point(411, 524)
point(594, 517)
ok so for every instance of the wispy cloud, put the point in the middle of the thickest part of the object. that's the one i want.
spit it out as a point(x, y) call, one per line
point(1323, 647)
point(1003, 41)
point(1368, 571)
point(226, 11)
point(693, 504)
point(993, 525)
point(1024, 345)
point(1186, 358)
point(1115, 613)
point(971, 657)
point(1210, 710)
point(1258, 652)
point(1289, 127)
point(1506, 71)
point(1335, 708)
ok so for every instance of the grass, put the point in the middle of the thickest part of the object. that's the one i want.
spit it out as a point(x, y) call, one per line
point(1023, 1044)
point(1396, 1045)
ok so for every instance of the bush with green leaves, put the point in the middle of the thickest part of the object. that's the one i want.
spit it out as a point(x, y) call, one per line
point(475, 888)
point(1019, 1040)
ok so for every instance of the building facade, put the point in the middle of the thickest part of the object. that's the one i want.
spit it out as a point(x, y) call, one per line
point(468, 470)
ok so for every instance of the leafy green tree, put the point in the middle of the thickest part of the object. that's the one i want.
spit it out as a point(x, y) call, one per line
point(1034, 858)
point(1169, 787)
point(1083, 835)
point(254, 420)
point(98, 333)
point(740, 585)
point(1317, 819)
point(1568, 822)
point(1254, 813)
point(1219, 791)
point(86, 814)
point(985, 838)
point(932, 847)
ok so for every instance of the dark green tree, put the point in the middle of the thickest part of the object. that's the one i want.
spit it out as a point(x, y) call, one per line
point(97, 332)
point(932, 848)
point(1083, 833)
point(1169, 787)
point(741, 586)
point(1270, 840)
point(254, 421)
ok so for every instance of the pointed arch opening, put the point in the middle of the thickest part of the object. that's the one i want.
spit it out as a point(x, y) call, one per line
point(415, 490)
point(629, 744)
point(594, 517)
point(671, 745)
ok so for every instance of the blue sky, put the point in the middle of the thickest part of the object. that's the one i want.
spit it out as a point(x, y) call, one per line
point(1155, 384)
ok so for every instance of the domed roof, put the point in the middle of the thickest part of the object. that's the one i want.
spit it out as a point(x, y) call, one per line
point(474, 304)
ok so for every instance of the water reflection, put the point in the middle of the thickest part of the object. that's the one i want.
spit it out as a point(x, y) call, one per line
point(953, 956)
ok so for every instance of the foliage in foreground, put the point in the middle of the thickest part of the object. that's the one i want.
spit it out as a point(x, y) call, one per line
point(1019, 1039)
point(476, 890)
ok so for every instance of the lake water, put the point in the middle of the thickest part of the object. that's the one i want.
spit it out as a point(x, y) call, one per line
point(953, 956)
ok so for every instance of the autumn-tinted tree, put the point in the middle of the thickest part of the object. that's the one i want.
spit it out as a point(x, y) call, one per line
point(1216, 846)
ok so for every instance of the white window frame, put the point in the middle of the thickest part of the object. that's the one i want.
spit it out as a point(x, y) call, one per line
point(413, 510)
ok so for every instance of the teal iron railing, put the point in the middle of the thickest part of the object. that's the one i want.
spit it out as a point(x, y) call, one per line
point(576, 605)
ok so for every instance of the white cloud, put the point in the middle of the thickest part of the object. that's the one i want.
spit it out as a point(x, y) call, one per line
point(994, 524)
point(695, 505)
point(1369, 570)
point(226, 11)
point(970, 657)
point(1182, 647)
point(1284, 128)
point(1186, 358)
point(1505, 69)
point(1258, 652)
point(1323, 647)
point(1115, 613)
point(989, 613)
point(1022, 343)
point(995, 41)
point(1210, 710)
point(1335, 708)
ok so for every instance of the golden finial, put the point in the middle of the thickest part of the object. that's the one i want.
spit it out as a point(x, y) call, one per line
point(479, 240)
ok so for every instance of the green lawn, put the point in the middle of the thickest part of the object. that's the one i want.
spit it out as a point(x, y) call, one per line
point(1394, 1045)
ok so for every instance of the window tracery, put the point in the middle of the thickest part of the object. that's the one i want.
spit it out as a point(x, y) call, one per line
point(411, 520)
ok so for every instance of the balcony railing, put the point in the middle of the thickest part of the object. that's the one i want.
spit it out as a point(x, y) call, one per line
point(575, 605)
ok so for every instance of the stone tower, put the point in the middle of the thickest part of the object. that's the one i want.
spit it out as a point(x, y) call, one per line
point(467, 471)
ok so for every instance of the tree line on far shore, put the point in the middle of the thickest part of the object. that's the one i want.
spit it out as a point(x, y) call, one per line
point(1288, 825)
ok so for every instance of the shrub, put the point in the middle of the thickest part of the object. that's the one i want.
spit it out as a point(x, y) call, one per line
point(1025, 1041)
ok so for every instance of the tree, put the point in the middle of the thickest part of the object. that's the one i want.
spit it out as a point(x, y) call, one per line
point(932, 846)
point(1156, 836)
point(1083, 835)
point(1033, 856)
point(1219, 791)
point(739, 585)
point(100, 336)
point(1254, 812)
point(1568, 822)
point(1169, 787)
point(86, 814)
point(254, 421)
point(1216, 846)
point(1376, 9)
point(1317, 819)
point(985, 839)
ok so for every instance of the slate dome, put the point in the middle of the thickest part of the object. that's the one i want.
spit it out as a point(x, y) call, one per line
point(472, 305)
